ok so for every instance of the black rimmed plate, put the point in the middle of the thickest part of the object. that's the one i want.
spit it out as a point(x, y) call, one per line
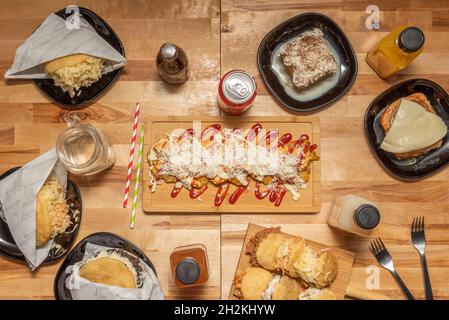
point(292, 28)
point(63, 242)
point(419, 167)
point(104, 239)
point(89, 94)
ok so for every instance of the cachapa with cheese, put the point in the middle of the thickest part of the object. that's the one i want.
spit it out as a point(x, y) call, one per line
point(413, 128)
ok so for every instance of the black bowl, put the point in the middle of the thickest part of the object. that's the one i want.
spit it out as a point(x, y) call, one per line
point(292, 28)
point(89, 94)
point(64, 242)
point(105, 239)
point(419, 167)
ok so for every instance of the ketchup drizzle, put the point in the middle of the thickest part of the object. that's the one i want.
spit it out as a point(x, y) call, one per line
point(261, 195)
point(195, 193)
point(216, 127)
point(221, 194)
point(176, 190)
point(286, 138)
point(236, 194)
point(252, 134)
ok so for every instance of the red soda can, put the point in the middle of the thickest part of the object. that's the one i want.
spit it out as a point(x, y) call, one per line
point(236, 92)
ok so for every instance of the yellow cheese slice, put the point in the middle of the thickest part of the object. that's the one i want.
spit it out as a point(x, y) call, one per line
point(413, 128)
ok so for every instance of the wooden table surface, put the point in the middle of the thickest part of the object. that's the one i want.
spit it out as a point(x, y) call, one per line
point(219, 36)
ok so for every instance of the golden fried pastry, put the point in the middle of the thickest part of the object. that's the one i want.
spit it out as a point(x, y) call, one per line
point(109, 271)
point(319, 269)
point(317, 294)
point(43, 223)
point(286, 289)
point(252, 283)
point(263, 247)
point(52, 213)
point(74, 72)
point(288, 253)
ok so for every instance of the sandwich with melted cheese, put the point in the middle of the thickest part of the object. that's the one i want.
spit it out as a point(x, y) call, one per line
point(412, 128)
point(76, 71)
point(52, 213)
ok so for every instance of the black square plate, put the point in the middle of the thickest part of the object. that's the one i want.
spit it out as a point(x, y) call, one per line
point(292, 28)
point(104, 239)
point(64, 241)
point(89, 94)
point(419, 167)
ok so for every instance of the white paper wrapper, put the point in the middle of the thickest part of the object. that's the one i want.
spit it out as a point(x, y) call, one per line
point(18, 197)
point(82, 289)
point(52, 40)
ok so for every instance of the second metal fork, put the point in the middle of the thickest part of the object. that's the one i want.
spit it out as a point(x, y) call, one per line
point(419, 242)
point(384, 258)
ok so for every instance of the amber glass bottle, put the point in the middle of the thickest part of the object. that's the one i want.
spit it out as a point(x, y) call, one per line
point(396, 51)
point(189, 265)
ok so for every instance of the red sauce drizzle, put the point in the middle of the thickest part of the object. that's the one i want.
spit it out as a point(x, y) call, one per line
point(176, 191)
point(270, 136)
point(236, 194)
point(221, 194)
point(216, 127)
point(252, 134)
point(286, 138)
point(186, 133)
point(195, 193)
point(261, 195)
point(280, 196)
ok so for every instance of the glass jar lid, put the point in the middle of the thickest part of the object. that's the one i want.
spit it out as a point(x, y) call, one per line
point(367, 216)
point(411, 39)
point(187, 271)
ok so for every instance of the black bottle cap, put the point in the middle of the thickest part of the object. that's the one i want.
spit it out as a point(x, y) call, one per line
point(187, 271)
point(411, 39)
point(367, 216)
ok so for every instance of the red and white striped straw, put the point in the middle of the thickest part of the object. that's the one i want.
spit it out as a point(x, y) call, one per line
point(131, 154)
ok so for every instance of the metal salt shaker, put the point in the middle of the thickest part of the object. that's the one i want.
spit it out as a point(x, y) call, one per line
point(172, 64)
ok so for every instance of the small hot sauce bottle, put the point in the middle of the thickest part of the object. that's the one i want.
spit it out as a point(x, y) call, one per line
point(189, 265)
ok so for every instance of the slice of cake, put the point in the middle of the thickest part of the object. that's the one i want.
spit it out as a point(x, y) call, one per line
point(308, 58)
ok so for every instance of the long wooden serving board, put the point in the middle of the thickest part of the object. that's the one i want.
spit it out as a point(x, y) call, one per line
point(345, 260)
point(161, 200)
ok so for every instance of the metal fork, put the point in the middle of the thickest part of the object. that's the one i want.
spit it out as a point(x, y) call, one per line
point(386, 261)
point(419, 242)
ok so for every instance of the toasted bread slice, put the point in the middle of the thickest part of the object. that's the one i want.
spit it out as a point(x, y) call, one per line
point(386, 120)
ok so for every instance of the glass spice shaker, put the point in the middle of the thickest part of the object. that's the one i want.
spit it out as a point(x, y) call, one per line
point(189, 265)
point(355, 215)
point(83, 148)
point(172, 64)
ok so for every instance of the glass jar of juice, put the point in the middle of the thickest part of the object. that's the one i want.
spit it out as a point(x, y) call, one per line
point(396, 51)
point(189, 265)
point(355, 215)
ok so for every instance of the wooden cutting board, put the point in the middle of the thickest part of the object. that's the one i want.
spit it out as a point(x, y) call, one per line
point(345, 260)
point(161, 201)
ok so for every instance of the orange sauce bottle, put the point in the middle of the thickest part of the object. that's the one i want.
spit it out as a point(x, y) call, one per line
point(189, 265)
point(396, 51)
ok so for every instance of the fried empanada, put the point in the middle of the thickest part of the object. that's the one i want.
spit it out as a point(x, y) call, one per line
point(263, 247)
point(252, 283)
point(109, 271)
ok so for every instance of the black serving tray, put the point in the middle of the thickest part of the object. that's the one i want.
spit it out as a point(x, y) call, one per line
point(105, 239)
point(419, 167)
point(89, 94)
point(8, 247)
point(292, 28)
